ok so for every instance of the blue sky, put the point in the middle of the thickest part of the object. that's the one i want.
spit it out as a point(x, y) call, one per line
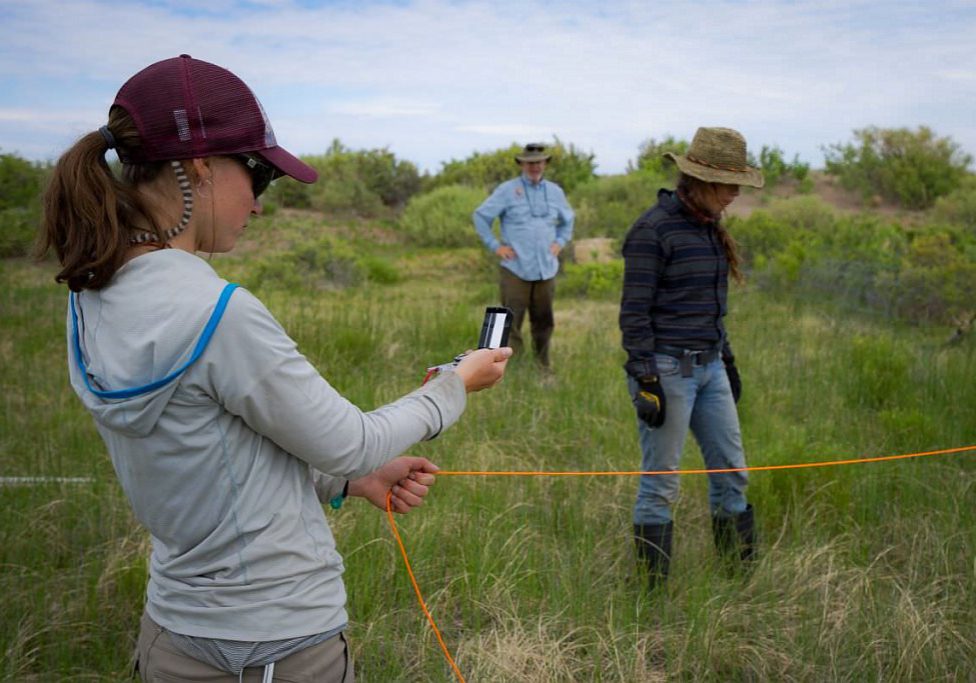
point(435, 80)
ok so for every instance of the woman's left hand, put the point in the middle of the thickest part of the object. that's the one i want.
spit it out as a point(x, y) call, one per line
point(408, 478)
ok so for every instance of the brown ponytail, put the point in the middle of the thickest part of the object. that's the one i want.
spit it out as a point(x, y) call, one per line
point(89, 213)
point(702, 195)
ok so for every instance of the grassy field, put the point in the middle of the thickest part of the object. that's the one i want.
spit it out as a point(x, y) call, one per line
point(867, 572)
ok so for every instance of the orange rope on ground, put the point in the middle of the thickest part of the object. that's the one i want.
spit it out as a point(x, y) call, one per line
point(416, 588)
point(759, 468)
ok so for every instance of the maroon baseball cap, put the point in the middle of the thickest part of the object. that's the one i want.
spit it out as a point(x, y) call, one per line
point(186, 108)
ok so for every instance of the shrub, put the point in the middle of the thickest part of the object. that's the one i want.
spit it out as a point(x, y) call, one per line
point(360, 182)
point(776, 169)
point(913, 168)
point(934, 283)
point(608, 205)
point(325, 264)
point(20, 204)
point(592, 280)
point(650, 158)
point(959, 207)
point(442, 217)
point(19, 227)
point(569, 168)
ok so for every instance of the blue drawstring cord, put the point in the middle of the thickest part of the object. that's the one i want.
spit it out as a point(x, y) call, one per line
point(152, 386)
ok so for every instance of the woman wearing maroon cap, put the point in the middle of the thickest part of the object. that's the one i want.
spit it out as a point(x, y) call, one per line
point(224, 438)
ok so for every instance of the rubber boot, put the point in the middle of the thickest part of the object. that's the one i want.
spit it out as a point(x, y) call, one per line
point(736, 536)
point(654, 551)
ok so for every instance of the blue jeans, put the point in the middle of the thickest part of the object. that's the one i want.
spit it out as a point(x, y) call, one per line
point(704, 403)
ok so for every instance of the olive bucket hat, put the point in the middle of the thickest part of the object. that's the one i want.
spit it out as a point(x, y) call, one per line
point(718, 155)
point(534, 151)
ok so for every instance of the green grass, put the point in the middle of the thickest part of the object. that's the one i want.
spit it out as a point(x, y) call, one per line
point(866, 571)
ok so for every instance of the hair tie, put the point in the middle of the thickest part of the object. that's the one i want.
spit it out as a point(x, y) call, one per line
point(107, 135)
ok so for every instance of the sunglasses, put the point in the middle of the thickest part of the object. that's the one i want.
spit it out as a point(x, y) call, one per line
point(260, 171)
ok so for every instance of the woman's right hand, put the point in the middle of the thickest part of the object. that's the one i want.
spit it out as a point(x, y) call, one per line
point(483, 368)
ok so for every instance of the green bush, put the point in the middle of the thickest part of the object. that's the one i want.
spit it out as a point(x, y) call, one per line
point(650, 158)
point(569, 168)
point(935, 281)
point(359, 182)
point(322, 265)
point(959, 207)
point(20, 204)
point(913, 168)
point(776, 169)
point(592, 280)
point(609, 205)
point(442, 217)
point(19, 227)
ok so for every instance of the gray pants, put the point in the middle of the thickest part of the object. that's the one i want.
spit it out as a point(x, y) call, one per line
point(159, 660)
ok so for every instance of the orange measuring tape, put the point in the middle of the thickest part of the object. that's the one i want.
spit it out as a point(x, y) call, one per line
point(759, 468)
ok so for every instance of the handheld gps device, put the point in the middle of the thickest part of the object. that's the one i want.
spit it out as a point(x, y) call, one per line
point(495, 328)
point(494, 335)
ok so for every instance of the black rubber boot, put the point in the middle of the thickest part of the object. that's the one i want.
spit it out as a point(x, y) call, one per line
point(736, 536)
point(654, 551)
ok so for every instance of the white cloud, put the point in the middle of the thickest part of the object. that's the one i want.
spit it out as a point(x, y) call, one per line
point(443, 78)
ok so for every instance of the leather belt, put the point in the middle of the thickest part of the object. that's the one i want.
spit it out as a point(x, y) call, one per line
point(688, 357)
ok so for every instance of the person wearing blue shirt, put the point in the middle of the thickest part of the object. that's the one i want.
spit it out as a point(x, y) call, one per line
point(536, 223)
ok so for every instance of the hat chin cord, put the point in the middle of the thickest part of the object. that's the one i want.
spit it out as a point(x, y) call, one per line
point(187, 192)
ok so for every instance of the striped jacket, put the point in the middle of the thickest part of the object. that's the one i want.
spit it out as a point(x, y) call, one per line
point(675, 285)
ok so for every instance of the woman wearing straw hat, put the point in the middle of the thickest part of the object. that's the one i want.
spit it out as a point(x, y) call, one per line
point(224, 437)
point(680, 368)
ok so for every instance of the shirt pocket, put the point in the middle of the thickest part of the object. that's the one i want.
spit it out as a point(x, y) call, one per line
point(518, 214)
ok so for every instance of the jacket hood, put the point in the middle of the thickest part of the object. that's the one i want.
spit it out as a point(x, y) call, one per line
point(128, 346)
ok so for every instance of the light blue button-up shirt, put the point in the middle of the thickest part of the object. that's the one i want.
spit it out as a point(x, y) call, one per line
point(532, 217)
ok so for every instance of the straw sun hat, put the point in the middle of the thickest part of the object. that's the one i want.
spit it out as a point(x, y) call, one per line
point(718, 155)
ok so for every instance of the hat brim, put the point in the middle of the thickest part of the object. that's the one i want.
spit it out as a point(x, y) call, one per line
point(288, 164)
point(752, 177)
point(527, 158)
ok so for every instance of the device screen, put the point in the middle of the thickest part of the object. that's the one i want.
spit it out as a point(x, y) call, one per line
point(495, 329)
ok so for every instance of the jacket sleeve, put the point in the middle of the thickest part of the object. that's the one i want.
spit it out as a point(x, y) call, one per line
point(257, 373)
point(644, 259)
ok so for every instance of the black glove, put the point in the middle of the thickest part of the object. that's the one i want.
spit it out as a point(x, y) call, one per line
point(734, 381)
point(649, 401)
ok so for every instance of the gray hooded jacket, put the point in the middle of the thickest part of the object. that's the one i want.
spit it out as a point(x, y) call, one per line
point(227, 464)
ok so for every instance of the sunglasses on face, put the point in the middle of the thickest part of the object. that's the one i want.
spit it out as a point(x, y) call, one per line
point(261, 172)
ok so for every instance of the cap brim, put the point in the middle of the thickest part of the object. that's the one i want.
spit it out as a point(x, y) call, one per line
point(289, 164)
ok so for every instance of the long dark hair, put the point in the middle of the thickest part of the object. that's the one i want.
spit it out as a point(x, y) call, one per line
point(89, 212)
point(702, 194)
